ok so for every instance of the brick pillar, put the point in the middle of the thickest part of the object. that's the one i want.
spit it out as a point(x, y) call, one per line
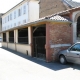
point(30, 38)
point(48, 54)
point(72, 39)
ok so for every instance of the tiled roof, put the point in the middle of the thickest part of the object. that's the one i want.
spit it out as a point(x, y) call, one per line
point(72, 3)
point(58, 18)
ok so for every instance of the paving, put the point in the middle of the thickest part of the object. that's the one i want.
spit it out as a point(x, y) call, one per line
point(17, 66)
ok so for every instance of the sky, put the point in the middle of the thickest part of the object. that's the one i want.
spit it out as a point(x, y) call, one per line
point(76, 0)
point(6, 5)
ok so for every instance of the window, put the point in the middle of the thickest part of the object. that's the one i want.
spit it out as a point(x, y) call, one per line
point(14, 24)
point(24, 21)
point(11, 36)
point(19, 23)
point(24, 10)
point(19, 12)
point(11, 25)
point(5, 19)
point(23, 36)
point(76, 47)
point(5, 27)
point(10, 16)
point(8, 26)
point(4, 37)
point(14, 14)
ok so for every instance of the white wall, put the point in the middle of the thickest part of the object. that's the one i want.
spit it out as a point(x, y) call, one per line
point(4, 44)
point(32, 13)
point(10, 24)
point(24, 48)
point(11, 46)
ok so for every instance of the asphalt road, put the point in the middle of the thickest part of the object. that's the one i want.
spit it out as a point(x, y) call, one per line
point(16, 66)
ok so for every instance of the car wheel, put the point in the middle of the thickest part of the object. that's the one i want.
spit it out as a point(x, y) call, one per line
point(62, 59)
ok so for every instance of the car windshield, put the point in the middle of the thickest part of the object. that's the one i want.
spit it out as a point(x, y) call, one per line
point(75, 47)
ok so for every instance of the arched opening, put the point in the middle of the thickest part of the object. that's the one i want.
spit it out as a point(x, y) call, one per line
point(78, 27)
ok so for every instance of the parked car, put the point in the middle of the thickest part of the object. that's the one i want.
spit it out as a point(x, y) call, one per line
point(72, 54)
point(0, 39)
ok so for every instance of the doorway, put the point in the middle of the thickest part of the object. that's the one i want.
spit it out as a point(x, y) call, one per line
point(39, 41)
point(78, 27)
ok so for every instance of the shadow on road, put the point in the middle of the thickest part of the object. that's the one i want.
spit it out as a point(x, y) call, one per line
point(52, 65)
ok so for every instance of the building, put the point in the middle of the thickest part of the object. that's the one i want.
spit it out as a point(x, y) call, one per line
point(44, 37)
point(49, 7)
point(1, 23)
point(20, 14)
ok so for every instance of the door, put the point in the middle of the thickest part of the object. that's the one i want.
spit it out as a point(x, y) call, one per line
point(39, 47)
point(73, 54)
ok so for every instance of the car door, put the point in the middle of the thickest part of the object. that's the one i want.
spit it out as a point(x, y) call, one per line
point(73, 54)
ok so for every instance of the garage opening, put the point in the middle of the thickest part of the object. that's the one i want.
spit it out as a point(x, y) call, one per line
point(11, 36)
point(39, 40)
point(23, 36)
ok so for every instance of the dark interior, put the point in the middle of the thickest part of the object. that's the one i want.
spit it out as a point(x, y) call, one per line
point(23, 36)
point(78, 27)
point(39, 31)
point(4, 37)
point(39, 41)
point(11, 36)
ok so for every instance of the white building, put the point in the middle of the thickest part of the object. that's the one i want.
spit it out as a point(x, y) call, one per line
point(24, 12)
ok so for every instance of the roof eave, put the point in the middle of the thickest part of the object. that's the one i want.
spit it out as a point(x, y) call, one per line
point(36, 23)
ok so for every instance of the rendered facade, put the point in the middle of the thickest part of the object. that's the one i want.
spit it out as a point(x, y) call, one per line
point(1, 23)
point(21, 14)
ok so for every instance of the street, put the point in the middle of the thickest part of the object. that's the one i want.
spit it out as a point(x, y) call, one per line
point(16, 66)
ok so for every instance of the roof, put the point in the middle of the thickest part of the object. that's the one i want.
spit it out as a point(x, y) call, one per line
point(72, 3)
point(55, 18)
point(59, 18)
point(65, 11)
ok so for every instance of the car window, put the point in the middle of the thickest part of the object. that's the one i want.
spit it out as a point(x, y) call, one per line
point(76, 47)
